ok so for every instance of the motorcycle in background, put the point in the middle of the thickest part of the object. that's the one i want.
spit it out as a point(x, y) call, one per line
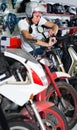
point(64, 87)
point(61, 93)
point(70, 50)
point(64, 57)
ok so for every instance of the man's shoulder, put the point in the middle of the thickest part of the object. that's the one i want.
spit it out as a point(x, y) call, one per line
point(22, 24)
point(22, 20)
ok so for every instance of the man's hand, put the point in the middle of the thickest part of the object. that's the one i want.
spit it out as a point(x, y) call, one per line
point(52, 41)
point(51, 32)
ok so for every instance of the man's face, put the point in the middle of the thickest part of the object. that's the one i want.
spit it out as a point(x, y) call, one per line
point(36, 17)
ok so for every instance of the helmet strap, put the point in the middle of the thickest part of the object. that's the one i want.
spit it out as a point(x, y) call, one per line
point(30, 23)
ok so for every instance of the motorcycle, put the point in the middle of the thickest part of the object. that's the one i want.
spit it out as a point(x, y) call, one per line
point(28, 70)
point(65, 53)
point(61, 93)
point(69, 48)
point(18, 87)
point(63, 85)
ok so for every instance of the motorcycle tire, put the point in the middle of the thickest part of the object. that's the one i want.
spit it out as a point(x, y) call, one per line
point(20, 125)
point(54, 119)
point(70, 97)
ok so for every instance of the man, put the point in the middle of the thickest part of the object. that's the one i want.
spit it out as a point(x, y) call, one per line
point(28, 28)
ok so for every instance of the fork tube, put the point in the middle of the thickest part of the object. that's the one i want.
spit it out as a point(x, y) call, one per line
point(55, 87)
point(37, 115)
point(63, 103)
point(53, 82)
point(61, 66)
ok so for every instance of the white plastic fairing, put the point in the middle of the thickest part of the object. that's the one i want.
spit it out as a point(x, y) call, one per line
point(62, 74)
point(8, 80)
point(20, 93)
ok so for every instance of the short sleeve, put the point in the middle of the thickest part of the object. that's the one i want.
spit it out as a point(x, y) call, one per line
point(23, 25)
point(42, 21)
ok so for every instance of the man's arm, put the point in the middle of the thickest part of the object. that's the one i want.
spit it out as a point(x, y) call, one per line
point(28, 36)
point(53, 26)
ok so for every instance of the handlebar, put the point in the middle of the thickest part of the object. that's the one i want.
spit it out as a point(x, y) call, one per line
point(63, 37)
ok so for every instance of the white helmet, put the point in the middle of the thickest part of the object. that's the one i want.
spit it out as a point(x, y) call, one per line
point(34, 7)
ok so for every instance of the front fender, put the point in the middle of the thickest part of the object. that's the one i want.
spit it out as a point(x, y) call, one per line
point(62, 75)
point(41, 106)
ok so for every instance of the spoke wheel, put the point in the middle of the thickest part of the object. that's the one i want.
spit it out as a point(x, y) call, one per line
point(54, 119)
point(70, 98)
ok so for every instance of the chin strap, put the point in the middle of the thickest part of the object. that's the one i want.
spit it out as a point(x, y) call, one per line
point(30, 23)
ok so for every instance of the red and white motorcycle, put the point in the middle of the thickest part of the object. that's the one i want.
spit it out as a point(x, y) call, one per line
point(24, 69)
point(19, 83)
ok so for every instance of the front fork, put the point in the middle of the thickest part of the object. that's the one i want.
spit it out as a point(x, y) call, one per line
point(63, 103)
point(37, 115)
point(54, 76)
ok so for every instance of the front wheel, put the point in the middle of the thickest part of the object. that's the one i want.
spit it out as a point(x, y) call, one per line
point(54, 119)
point(19, 124)
point(70, 98)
